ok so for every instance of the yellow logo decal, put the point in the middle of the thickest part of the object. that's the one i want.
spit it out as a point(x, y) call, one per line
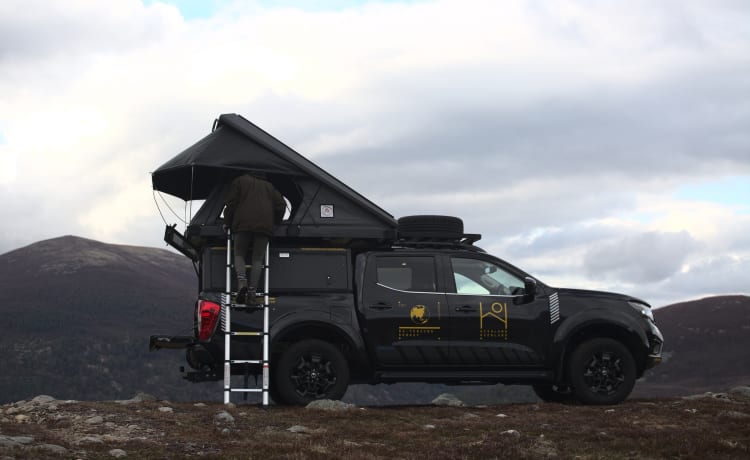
point(493, 324)
point(419, 314)
point(419, 332)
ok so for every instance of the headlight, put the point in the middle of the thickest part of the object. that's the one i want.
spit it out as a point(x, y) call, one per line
point(644, 310)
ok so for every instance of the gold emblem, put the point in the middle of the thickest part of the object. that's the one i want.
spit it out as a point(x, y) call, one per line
point(493, 324)
point(419, 314)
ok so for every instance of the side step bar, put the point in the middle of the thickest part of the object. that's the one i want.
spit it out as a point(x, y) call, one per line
point(467, 376)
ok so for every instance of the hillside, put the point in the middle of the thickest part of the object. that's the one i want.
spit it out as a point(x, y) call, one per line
point(707, 347)
point(78, 314)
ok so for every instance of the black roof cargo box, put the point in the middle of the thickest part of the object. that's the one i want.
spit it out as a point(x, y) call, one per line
point(321, 205)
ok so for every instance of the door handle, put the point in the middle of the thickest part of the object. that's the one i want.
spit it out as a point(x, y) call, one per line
point(380, 306)
point(466, 309)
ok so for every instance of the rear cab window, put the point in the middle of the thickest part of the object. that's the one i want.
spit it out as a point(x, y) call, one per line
point(407, 273)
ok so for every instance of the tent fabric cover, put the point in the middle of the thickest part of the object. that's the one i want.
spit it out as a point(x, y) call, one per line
point(235, 146)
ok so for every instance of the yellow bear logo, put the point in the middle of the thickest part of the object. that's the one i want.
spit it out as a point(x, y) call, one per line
point(419, 314)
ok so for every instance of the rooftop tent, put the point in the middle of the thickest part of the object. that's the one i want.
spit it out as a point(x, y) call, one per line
point(322, 206)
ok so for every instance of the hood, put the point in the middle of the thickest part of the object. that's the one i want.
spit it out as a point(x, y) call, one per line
point(599, 295)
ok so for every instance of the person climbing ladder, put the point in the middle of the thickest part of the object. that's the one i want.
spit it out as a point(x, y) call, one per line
point(253, 206)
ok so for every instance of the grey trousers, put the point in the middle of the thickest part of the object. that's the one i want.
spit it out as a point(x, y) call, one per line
point(242, 242)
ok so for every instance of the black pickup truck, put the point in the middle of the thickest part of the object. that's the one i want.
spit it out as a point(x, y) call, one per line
point(360, 297)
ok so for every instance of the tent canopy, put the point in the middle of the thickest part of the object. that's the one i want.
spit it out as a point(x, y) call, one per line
point(322, 206)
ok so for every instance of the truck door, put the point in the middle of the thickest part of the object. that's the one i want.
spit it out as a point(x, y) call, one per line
point(404, 310)
point(491, 321)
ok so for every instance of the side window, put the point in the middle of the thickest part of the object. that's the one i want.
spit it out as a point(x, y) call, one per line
point(407, 273)
point(478, 277)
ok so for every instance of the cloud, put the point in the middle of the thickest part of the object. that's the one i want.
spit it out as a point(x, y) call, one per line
point(562, 131)
point(36, 29)
point(720, 274)
point(648, 257)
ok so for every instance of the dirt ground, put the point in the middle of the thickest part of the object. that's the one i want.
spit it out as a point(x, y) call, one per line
point(705, 426)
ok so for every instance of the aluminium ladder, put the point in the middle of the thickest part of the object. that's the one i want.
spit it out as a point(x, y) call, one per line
point(226, 309)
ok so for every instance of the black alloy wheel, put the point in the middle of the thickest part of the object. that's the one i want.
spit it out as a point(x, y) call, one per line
point(310, 370)
point(602, 371)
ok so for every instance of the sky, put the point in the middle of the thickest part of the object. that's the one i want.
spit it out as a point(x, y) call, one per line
point(595, 144)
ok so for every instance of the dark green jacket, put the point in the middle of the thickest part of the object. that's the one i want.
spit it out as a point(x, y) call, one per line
point(253, 205)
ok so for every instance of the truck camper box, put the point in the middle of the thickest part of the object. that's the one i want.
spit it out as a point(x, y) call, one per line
point(295, 269)
point(322, 209)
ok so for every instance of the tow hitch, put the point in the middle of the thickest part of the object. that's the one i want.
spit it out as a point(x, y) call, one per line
point(157, 342)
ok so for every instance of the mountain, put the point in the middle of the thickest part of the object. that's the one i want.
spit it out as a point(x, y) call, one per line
point(707, 347)
point(77, 314)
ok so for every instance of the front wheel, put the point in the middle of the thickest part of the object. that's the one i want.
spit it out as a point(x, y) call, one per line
point(310, 370)
point(601, 371)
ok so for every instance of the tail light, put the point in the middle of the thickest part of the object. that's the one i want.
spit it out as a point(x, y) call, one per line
point(208, 316)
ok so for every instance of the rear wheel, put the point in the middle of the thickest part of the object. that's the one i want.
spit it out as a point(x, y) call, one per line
point(310, 370)
point(601, 371)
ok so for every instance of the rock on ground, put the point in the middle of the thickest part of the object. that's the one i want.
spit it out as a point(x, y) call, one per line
point(447, 399)
point(223, 418)
point(330, 405)
point(741, 392)
point(138, 398)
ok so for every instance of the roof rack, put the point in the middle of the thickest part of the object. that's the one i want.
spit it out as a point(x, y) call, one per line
point(466, 241)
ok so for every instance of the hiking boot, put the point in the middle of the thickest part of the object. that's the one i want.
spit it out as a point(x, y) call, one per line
point(252, 299)
point(242, 295)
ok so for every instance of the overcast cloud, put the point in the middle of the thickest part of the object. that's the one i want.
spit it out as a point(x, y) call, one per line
point(591, 143)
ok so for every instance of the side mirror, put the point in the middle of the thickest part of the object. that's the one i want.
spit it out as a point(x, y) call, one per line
point(529, 286)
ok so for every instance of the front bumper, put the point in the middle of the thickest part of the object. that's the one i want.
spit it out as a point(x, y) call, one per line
point(656, 339)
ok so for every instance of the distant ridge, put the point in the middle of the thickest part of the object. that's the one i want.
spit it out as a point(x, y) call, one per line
point(71, 253)
point(707, 347)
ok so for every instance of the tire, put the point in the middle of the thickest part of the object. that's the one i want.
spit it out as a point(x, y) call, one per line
point(440, 227)
point(601, 372)
point(273, 392)
point(310, 370)
point(554, 393)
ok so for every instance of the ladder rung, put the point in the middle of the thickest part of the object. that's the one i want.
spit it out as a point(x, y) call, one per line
point(246, 390)
point(246, 361)
point(246, 333)
point(240, 306)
